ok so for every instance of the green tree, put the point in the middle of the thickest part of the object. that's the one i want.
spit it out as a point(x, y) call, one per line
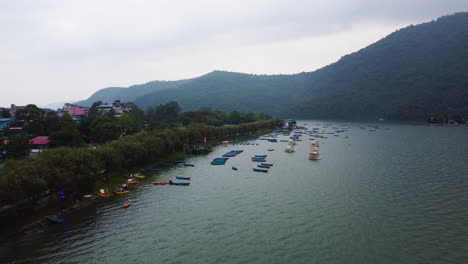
point(18, 146)
point(5, 113)
point(164, 114)
point(68, 135)
point(105, 128)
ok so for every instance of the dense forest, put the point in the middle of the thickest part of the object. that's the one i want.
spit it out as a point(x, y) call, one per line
point(412, 73)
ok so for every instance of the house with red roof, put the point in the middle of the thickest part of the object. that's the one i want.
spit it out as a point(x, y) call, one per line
point(40, 142)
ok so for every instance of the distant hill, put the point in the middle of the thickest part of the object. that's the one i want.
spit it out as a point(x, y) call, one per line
point(129, 94)
point(229, 91)
point(406, 75)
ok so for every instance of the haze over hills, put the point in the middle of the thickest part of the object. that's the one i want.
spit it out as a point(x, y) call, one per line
point(406, 75)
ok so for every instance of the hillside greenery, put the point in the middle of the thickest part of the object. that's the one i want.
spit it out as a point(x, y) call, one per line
point(415, 72)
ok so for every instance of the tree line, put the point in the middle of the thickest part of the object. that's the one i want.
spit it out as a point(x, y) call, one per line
point(100, 127)
point(72, 169)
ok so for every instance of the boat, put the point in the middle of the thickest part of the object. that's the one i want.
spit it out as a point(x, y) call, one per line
point(139, 176)
point(189, 165)
point(153, 169)
point(179, 183)
point(160, 183)
point(289, 149)
point(314, 155)
point(127, 203)
point(271, 149)
point(105, 195)
point(268, 164)
point(55, 219)
point(132, 181)
point(258, 160)
point(225, 143)
point(260, 170)
point(263, 166)
point(234, 168)
point(219, 161)
point(122, 192)
point(182, 178)
point(261, 156)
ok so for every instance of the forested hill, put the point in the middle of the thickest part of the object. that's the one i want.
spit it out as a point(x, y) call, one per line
point(229, 91)
point(407, 75)
point(129, 94)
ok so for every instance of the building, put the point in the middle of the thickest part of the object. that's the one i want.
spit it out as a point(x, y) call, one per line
point(5, 122)
point(117, 107)
point(14, 109)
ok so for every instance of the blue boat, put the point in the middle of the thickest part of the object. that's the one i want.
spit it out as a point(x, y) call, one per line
point(179, 183)
point(234, 168)
point(261, 156)
point(189, 165)
point(260, 170)
point(258, 160)
point(153, 169)
point(263, 166)
point(182, 178)
point(268, 164)
point(219, 161)
point(55, 219)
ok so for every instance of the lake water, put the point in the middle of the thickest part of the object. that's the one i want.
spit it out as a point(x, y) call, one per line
point(389, 196)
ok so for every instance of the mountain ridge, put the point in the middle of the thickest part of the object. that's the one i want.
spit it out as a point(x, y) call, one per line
point(411, 72)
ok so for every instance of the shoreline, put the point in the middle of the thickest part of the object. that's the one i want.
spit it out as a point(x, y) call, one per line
point(41, 221)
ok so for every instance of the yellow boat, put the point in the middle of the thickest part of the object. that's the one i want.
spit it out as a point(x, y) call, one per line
point(122, 192)
point(139, 176)
point(132, 182)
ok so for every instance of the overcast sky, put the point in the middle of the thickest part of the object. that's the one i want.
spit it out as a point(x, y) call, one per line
point(63, 50)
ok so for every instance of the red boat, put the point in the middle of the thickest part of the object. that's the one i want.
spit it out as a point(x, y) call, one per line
point(127, 203)
point(161, 183)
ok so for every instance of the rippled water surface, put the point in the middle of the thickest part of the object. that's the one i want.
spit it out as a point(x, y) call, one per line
point(389, 196)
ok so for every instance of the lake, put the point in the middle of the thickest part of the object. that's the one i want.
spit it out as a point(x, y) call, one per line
point(398, 195)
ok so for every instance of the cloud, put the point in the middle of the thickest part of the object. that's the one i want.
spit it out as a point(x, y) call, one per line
point(64, 50)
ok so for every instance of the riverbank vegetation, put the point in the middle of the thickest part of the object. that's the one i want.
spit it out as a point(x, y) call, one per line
point(72, 169)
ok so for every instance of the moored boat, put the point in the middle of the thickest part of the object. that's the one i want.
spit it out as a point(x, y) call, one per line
point(179, 183)
point(160, 183)
point(234, 168)
point(189, 165)
point(122, 192)
point(55, 219)
point(182, 178)
point(260, 170)
point(127, 203)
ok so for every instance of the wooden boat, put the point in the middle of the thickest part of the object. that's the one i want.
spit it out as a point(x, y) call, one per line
point(105, 195)
point(122, 192)
point(182, 178)
point(160, 183)
point(127, 203)
point(260, 170)
point(234, 168)
point(55, 219)
point(189, 165)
